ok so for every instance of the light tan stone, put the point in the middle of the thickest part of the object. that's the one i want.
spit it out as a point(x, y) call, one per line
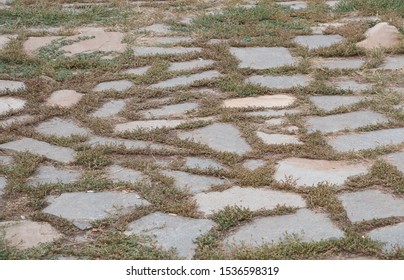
point(382, 35)
point(35, 43)
point(64, 98)
point(268, 101)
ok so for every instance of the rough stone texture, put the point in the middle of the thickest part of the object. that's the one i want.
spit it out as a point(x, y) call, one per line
point(64, 98)
point(5, 39)
point(352, 86)
point(16, 120)
point(371, 204)
point(152, 124)
point(156, 41)
point(268, 101)
point(253, 164)
point(353, 120)
point(252, 198)
point(62, 154)
point(280, 82)
point(114, 85)
point(391, 236)
point(274, 113)
point(6, 160)
point(171, 231)
point(9, 104)
point(156, 28)
point(3, 184)
point(127, 144)
point(276, 121)
point(382, 35)
point(263, 58)
point(337, 63)
point(294, 5)
point(28, 234)
point(175, 110)
point(306, 224)
point(202, 163)
point(61, 128)
point(332, 102)
point(187, 80)
point(396, 159)
point(278, 139)
point(309, 172)
point(33, 44)
point(318, 41)
point(146, 51)
point(393, 63)
point(138, 71)
point(192, 183)
point(83, 208)
point(118, 173)
point(189, 65)
point(367, 140)
point(10, 86)
point(48, 174)
point(220, 137)
point(110, 109)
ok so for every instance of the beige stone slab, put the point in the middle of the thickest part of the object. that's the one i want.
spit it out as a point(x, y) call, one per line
point(382, 35)
point(64, 98)
point(268, 101)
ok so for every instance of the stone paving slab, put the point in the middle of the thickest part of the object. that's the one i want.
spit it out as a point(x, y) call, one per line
point(307, 225)
point(3, 184)
point(367, 140)
point(310, 172)
point(47, 174)
point(268, 101)
point(280, 82)
point(84, 208)
point(175, 110)
point(150, 124)
point(393, 63)
point(202, 163)
point(352, 120)
point(64, 98)
point(16, 120)
point(149, 51)
point(61, 154)
point(263, 58)
point(121, 85)
point(156, 41)
point(117, 173)
point(338, 63)
point(382, 35)
point(157, 28)
point(278, 139)
point(10, 86)
point(352, 86)
point(127, 144)
point(294, 5)
point(371, 204)
point(251, 198)
point(313, 42)
point(391, 236)
point(138, 71)
point(10, 104)
point(274, 113)
point(190, 65)
point(172, 231)
point(253, 164)
point(396, 159)
point(6, 160)
point(191, 182)
point(276, 121)
point(220, 137)
point(332, 102)
point(110, 109)
point(187, 80)
point(61, 128)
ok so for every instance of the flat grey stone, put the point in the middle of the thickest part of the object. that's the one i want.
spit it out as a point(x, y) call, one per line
point(16, 120)
point(171, 231)
point(109, 109)
point(10, 86)
point(127, 144)
point(313, 42)
point(399, 107)
point(268, 101)
point(332, 4)
point(121, 85)
point(278, 139)
point(193, 183)
point(220, 137)
point(156, 28)
point(47, 174)
point(263, 58)
point(6, 160)
point(61, 128)
point(252, 198)
point(275, 121)
point(393, 63)
point(138, 71)
point(5, 39)
point(294, 5)
point(291, 128)
point(147, 51)
point(391, 236)
point(175, 110)
point(280, 82)
point(202, 163)
point(61, 154)
point(3, 184)
point(371, 204)
point(310, 172)
point(306, 225)
point(338, 63)
point(274, 113)
point(151, 124)
point(253, 164)
point(367, 140)
point(332, 102)
point(84, 208)
point(9, 104)
point(118, 174)
point(396, 159)
point(64, 98)
point(352, 86)
point(187, 80)
point(167, 40)
point(353, 120)
point(189, 65)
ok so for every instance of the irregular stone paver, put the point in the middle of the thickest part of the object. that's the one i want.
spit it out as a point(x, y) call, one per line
point(263, 58)
point(306, 224)
point(47, 174)
point(171, 231)
point(114, 85)
point(28, 234)
point(353, 120)
point(367, 140)
point(275, 121)
point(146, 51)
point(252, 198)
point(371, 204)
point(393, 63)
point(274, 113)
point(321, 27)
point(291, 128)
point(5, 39)
point(61, 128)
point(318, 41)
point(3, 184)
point(189, 65)
point(391, 236)
point(396, 159)
point(110, 109)
point(175, 110)
point(187, 80)
point(337, 63)
point(62, 154)
point(220, 137)
point(16, 120)
point(193, 183)
point(332, 102)
point(152, 124)
point(278, 139)
point(353, 86)
point(202, 163)
point(309, 172)
point(84, 208)
point(6, 160)
point(118, 173)
point(382, 35)
point(280, 82)
point(8, 104)
point(294, 5)
point(253, 164)
point(11, 86)
point(399, 107)
point(138, 71)
point(127, 144)
point(156, 41)
point(156, 28)
point(268, 101)
point(64, 98)
point(33, 44)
